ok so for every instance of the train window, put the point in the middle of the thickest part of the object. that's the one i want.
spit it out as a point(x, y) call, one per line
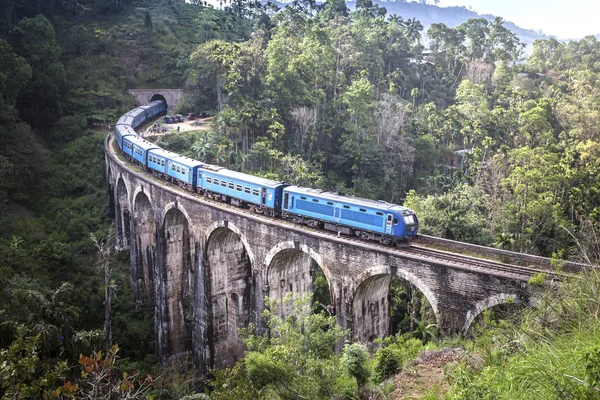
point(177, 168)
point(246, 189)
point(329, 203)
point(254, 192)
point(231, 185)
point(379, 213)
point(362, 210)
point(162, 162)
point(216, 181)
point(183, 170)
point(224, 183)
point(208, 179)
point(316, 200)
point(238, 188)
point(345, 206)
point(395, 221)
point(303, 198)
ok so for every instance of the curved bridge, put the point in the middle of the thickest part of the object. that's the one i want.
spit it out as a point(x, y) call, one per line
point(207, 267)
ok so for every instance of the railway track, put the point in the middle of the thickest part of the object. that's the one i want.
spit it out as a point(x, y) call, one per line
point(413, 251)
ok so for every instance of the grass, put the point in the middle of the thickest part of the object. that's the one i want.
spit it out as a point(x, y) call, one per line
point(553, 353)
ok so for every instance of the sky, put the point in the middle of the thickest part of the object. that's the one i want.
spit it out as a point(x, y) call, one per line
point(565, 19)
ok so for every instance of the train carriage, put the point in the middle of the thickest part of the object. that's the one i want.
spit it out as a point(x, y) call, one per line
point(137, 148)
point(138, 116)
point(184, 170)
point(238, 188)
point(354, 216)
point(171, 165)
point(154, 108)
point(157, 160)
point(122, 131)
point(125, 119)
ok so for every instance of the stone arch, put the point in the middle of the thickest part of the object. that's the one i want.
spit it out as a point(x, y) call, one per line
point(159, 96)
point(237, 231)
point(289, 271)
point(177, 280)
point(143, 250)
point(231, 292)
point(370, 309)
point(483, 305)
point(122, 214)
point(370, 306)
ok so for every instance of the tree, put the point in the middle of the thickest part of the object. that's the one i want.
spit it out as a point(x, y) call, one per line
point(355, 362)
point(103, 248)
point(40, 102)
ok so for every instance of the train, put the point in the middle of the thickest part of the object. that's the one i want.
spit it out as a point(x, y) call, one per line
point(375, 220)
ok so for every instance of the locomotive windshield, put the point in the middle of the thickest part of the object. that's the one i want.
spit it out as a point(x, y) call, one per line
point(409, 219)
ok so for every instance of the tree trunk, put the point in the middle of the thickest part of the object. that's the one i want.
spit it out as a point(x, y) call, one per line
point(107, 305)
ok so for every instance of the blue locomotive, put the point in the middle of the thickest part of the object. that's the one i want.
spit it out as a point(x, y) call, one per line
point(368, 219)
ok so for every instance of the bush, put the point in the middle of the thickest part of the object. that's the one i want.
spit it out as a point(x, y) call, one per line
point(388, 361)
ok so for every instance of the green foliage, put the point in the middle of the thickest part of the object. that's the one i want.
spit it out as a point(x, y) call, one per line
point(387, 362)
point(297, 359)
point(23, 375)
point(355, 361)
point(538, 279)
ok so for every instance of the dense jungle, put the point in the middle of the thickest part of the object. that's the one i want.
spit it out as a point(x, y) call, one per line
point(487, 144)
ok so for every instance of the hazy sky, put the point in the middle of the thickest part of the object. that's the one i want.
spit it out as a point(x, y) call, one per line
point(565, 19)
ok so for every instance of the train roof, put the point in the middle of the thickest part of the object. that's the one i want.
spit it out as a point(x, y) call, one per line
point(240, 176)
point(358, 201)
point(144, 144)
point(126, 130)
point(165, 153)
point(151, 104)
point(125, 119)
point(136, 111)
point(188, 162)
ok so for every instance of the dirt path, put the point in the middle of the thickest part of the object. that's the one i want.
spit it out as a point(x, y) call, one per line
point(201, 124)
point(426, 374)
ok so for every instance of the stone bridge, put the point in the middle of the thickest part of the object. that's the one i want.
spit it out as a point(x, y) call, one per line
point(171, 96)
point(206, 268)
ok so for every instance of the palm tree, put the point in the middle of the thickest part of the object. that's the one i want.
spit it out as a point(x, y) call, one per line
point(50, 316)
point(412, 30)
point(424, 331)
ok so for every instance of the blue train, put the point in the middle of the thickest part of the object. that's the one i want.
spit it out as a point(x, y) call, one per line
point(368, 219)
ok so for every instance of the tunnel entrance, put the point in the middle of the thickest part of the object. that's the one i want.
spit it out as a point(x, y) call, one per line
point(231, 289)
point(386, 305)
point(294, 273)
point(159, 97)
